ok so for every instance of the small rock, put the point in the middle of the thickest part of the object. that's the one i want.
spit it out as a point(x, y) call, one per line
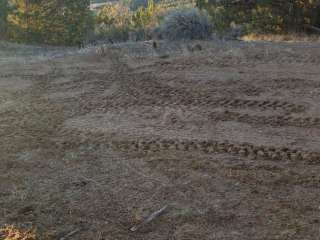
point(260, 153)
point(243, 152)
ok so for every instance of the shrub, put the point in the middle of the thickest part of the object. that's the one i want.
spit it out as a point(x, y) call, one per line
point(186, 24)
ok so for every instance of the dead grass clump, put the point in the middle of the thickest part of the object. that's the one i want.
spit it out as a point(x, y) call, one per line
point(9, 232)
point(281, 37)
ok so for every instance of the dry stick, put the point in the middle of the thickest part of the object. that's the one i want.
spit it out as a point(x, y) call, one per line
point(70, 234)
point(149, 219)
point(316, 29)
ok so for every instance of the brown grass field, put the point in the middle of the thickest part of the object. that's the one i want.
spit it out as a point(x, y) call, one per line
point(226, 134)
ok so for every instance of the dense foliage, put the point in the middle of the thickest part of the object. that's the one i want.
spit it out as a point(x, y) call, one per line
point(264, 15)
point(4, 10)
point(49, 21)
point(112, 22)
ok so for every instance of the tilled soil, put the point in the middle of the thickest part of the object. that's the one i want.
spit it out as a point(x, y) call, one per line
point(226, 134)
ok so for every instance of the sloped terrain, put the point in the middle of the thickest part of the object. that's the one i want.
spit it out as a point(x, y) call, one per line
point(226, 134)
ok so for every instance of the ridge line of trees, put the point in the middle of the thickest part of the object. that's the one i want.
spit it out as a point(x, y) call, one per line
point(71, 22)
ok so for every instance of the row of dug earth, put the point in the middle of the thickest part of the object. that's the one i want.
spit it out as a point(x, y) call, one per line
point(208, 146)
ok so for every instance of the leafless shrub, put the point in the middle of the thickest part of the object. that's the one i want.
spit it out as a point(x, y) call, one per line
point(186, 24)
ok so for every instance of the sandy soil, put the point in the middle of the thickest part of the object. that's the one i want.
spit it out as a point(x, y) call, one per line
point(226, 134)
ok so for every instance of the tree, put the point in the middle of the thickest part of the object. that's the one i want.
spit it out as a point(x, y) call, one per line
point(265, 15)
point(4, 10)
point(53, 22)
point(143, 15)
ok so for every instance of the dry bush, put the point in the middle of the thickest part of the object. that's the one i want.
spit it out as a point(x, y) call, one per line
point(186, 24)
point(281, 37)
point(11, 233)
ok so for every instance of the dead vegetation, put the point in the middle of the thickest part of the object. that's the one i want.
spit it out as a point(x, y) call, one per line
point(282, 37)
point(12, 233)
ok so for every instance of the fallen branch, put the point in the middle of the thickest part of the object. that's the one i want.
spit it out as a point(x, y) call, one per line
point(316, 29)
point(70, 234)
point(149, 219)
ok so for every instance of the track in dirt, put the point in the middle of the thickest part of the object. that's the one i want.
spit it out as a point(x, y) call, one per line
point(103, 140)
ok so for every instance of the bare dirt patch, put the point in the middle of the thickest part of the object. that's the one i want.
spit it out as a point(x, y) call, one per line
point(227, 137)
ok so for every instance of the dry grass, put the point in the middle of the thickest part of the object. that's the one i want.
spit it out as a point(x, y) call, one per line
point(281, 37)
point(9, 232)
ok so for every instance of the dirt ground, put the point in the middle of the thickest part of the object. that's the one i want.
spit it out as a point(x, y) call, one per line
point(227, 135)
